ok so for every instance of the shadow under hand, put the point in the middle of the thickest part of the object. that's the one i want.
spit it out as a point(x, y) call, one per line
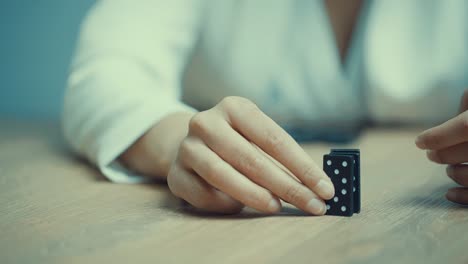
point(179, 206)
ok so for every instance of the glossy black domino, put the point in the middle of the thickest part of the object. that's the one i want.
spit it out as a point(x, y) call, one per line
point(357, 174)
point(340, 169)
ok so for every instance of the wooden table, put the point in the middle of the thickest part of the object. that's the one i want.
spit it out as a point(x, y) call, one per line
point(55, 208)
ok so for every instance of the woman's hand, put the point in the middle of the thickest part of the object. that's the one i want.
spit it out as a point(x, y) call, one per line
point(235, 156)
point(448, 144)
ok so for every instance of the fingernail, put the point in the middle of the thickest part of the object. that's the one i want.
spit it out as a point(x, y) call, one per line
point(316, 207)
point(274, 206)
point(451, 195)
point(325, 189)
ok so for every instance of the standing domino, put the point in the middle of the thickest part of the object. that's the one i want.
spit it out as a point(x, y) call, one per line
point(357, 174)
point(343, 168)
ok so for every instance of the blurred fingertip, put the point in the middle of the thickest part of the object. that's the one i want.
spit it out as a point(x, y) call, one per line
point(449, 171)
point(451, 195)
point(420, 142)
point(433, 156)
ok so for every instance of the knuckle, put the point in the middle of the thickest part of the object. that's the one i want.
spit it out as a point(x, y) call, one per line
point(250, 164)
point(199, 122)
point(293, 193)
point(310, 176)
point(277, 142)
point(231, 103)
point(250, 107)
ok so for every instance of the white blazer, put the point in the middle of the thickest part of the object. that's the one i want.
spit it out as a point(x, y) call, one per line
point(137, 61)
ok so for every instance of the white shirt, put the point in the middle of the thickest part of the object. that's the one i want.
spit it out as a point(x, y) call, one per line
point(138, 61)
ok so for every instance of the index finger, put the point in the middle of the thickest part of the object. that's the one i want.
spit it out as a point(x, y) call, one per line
point(452, 132)
point(257, 127)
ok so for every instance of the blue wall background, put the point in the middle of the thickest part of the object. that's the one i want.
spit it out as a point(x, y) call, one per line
point(37, 39)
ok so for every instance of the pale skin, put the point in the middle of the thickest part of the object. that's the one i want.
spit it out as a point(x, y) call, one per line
point(217, 164)
point(233, 155)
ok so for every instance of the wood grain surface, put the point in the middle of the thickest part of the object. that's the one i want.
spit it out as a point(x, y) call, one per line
point(56, 208)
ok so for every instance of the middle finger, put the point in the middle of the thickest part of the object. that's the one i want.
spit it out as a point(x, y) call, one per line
point(458, 173)
point(451, 155)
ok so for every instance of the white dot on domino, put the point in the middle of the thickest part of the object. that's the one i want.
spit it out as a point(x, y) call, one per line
point(336, 199)
point(344, 181)
point(329, 162)
point(343, 191)
point(328, 207)
point(344, 164)
point(343, 208)
point(354, 189)
point(337, 171)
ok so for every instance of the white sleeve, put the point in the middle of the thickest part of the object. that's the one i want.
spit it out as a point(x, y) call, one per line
point(126, 76)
